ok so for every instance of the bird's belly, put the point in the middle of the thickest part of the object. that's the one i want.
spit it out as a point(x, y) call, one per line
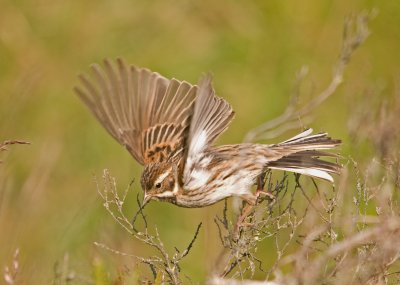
point(216, 190)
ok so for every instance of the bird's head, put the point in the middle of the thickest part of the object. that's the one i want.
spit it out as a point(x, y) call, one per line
point(160, 182)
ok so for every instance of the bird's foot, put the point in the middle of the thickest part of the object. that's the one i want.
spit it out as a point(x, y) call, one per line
point(260, 193)
point(264, 194)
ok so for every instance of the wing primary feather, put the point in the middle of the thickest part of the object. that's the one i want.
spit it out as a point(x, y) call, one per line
point(141, 109)
point(105, 92)
point(211, 116)
point(96, 105)
point(116, 90)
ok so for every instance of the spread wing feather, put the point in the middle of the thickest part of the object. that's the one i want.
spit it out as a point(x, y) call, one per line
point(144, 111)
point(212, 115)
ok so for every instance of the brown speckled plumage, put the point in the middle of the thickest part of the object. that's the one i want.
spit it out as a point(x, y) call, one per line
point(170, 127)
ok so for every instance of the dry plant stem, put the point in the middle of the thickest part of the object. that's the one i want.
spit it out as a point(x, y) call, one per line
point(299, 186)
point(379, 241)
point(240, 242)
point(355, 32)
point(293, 224)
point(163, 263)
point(110, 188)
point(144, 260)
point(139, 212)
point(4, 144)
point(11, 272)
point(390, 226)
point(63, 274)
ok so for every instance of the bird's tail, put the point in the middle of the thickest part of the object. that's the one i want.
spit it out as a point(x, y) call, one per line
point(302, 154)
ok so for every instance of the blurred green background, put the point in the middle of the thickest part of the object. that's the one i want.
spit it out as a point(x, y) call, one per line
point(48, 200)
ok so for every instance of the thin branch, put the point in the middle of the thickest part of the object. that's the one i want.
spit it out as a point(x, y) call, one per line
point(355, 32)
point(4, 144)
point(189, 247)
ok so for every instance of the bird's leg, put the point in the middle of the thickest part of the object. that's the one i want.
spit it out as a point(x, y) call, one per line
point(244, 213)
point(260, 188)
point(251, 200)
point(260, 182)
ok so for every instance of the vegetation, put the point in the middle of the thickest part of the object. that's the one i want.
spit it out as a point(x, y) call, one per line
point(57, 230)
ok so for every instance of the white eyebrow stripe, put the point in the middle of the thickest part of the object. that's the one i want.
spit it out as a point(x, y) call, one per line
point(162, 176)
point(166, 194)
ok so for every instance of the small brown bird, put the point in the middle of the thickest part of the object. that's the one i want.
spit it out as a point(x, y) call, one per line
point(169, 126)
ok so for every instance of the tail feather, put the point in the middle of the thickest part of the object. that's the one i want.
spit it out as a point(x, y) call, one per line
point(309, 172)
point(301, 154)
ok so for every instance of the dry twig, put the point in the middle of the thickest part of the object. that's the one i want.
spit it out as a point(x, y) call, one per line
point(163, 263)
point(355, 32)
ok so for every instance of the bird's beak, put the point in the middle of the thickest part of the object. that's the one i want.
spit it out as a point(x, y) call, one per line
point(146, 199)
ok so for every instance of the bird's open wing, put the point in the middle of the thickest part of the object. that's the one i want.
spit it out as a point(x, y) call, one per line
point(212, 115)
point(144, 111)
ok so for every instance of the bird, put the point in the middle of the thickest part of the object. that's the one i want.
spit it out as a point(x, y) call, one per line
point(170, 127)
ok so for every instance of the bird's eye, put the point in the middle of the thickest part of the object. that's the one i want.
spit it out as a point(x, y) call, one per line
point(158, 185)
